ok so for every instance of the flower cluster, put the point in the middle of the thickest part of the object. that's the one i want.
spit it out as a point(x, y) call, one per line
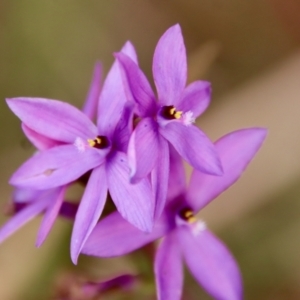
point(134, 153)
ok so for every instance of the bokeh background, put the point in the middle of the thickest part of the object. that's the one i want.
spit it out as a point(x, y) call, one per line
point(250, 52)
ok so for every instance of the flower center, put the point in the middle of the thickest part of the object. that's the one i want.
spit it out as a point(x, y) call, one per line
point(170, 112)
point(187, 215)
point(100, 142)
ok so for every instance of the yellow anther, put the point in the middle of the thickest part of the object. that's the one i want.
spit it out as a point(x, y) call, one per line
point(92, 143)
point(172, 110)
point(178, 114)
point(99, 142)
point(192, 219)
point(190, 216)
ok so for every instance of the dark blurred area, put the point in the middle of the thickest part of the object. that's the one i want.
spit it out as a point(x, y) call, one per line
point(249, 50)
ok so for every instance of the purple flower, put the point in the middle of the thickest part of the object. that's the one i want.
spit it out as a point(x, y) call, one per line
point(170, 118)
point(73, 286)
point(29, 202)
point(185, 237)
point(85, 147)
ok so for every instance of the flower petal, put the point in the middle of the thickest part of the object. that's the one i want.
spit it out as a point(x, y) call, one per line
point(140, 90)
point(56, 197)
point(26, 195)
point(23, 217)
point(120, 282)
point(134, 201)
point(177, 184)
point(168, 269)
point(129, 50)
point(160, 177)
point(194, 146)
point(91, 101)
point(89, 210)
point(56, 166)
point(114, 236)
point(113, 97)
point(124, 129)
point(143, 149)
point(236, 150)
point(170, 66)
point(57, 120)
point(195, 98)
point(40, 141)
point(211, 264)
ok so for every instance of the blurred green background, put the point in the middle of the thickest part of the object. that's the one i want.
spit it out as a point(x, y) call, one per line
point(249, 50)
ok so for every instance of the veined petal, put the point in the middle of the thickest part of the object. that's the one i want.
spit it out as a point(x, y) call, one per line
point(23, 217)
point(143, 149)
point(114, 236)
point(134, 201)
point(57, 120)
point(194, 146)
point(91, 101)
point(56, 167)
point(177, 184)
point(170, 66)
point(160, 177)
point(56, 199)
point(89, 210)
point(140, 89)
point(124, 129)
point(211, 264)
point(168, 269)
point(41, 142)
point(195, 98)
point(113, 97)
point(235, 150)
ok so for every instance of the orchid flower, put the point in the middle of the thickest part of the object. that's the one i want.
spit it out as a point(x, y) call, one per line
point(86, 147)
point(185, 237)
point(72, 286)
point(29, 202)
point(170, 118)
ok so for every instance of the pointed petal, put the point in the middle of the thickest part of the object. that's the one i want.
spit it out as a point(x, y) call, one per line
point(140, 90)
point(89, 210)
point(177, 184)
point(23, 217)
point(91, 101)
point(134, 201)
point(112, 97)
point(195, 98)
point(168, 269)
point(170, 66)
point(211, 264)
point(52, 211)
point(56, 166)
point(121, 282)
point(114, 236)
point(194, 146)
point(160, 177)
point(57, 120)
point(40, 141)
point(143, 149)
point(129, 50)
point(236, 150)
